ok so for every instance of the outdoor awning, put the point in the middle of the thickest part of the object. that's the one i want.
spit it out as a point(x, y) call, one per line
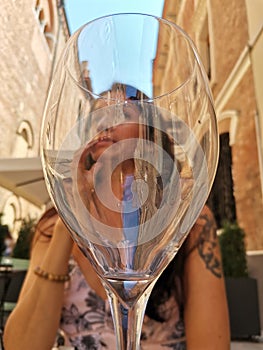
point(24, 177)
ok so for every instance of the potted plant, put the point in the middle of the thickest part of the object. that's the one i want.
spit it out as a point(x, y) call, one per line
point(25, 236)
point(241, 290)
point(4, 233)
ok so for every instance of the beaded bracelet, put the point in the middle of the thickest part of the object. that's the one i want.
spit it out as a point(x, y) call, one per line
point(51, 276)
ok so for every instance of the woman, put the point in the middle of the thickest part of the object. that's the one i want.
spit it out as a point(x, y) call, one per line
point(192, 287)
point(187, 307)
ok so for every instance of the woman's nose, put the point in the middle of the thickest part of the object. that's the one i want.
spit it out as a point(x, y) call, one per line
point(103, 125)
point(110, 119)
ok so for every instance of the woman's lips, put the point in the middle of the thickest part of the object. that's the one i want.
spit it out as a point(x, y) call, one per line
point(99, 145)
point(102, 141)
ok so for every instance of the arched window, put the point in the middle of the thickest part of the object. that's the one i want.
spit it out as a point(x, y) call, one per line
point(12, 215)
point(44, 13)
point(227, 122)
point(221, 199)
point(24, 140)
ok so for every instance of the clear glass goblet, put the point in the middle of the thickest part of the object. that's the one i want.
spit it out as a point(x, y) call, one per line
point(129, 150)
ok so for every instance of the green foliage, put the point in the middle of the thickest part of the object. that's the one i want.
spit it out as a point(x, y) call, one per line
point(232, 243)
point(25, 236)
point(4, 232)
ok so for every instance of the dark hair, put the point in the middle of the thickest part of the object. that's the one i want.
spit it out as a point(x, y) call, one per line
point(167, 286)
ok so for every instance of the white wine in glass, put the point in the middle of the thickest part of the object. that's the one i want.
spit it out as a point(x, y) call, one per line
point(129, 153)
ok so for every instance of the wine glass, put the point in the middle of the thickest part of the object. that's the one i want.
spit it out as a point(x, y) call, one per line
point(129, 151)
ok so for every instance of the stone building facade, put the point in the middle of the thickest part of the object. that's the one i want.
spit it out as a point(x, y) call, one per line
point(32, 34)
point(229, 37)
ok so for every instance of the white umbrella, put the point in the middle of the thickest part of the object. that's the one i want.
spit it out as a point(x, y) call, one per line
point(24, 177)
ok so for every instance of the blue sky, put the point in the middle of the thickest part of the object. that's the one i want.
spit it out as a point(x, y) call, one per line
point(82, 11)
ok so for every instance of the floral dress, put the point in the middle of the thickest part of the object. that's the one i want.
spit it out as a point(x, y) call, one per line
point(87, 323)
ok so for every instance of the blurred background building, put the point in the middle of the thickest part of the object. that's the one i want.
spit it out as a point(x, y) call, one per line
point(230, 40)
point(32, 35)
point(229, 37)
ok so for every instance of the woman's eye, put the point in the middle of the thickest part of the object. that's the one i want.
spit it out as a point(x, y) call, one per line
point(130, 111)
point(127, 114)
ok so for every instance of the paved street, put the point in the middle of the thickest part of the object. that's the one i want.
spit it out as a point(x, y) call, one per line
point(246, 346)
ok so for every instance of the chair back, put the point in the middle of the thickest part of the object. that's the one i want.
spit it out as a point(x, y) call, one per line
point(14, 287)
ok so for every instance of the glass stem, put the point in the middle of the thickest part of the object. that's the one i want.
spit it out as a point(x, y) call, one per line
point(128, 317)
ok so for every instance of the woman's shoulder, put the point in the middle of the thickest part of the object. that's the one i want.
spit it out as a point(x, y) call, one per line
point(206, 217)
point(204, 229)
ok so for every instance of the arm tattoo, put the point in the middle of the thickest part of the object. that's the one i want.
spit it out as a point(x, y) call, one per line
point(207, 245)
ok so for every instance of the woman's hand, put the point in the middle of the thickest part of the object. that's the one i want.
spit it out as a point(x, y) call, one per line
point(34, 322)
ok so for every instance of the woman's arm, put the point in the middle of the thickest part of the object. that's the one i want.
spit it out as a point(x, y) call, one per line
point(35, 320)
point(206, 311)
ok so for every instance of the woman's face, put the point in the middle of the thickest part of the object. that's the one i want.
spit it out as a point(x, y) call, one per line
point(126, 129)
